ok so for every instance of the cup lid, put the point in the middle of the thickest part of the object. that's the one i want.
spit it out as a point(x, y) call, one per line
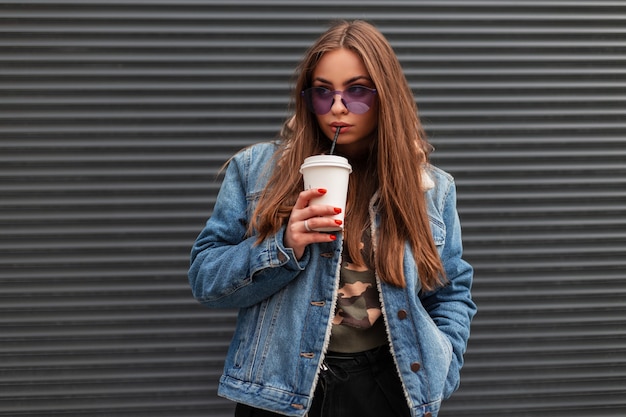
point(326, 160)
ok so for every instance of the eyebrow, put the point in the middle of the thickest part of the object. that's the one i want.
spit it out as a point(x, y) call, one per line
point(350, 81)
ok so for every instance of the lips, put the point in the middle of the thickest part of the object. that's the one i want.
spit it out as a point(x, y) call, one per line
point(343, 126)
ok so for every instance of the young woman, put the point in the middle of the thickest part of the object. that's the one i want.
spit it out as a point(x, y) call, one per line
point(370, 321)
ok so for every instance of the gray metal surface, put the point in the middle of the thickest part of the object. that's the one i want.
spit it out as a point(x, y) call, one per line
point(115, 118)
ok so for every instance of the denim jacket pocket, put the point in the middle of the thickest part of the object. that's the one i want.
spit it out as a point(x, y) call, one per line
point(252, 199)
point(438, 230)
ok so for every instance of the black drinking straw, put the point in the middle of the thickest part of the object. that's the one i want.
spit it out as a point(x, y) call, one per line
point(332, 148)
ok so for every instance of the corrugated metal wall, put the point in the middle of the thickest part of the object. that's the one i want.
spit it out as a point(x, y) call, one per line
point(115, 117)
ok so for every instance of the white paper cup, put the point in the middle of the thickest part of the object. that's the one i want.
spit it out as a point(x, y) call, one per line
point(332, 173)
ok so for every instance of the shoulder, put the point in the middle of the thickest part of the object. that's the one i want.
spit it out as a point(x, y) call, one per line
point(259, 151)
point(443, 185)
point(439, 176)
point(255, 157)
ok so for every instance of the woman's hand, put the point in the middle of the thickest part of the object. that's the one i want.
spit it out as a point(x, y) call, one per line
point(304, 218)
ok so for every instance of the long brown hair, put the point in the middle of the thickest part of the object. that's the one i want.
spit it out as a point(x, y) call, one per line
point(392, 170)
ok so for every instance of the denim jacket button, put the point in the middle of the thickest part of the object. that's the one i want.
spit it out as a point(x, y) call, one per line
point(402, 314)
point(428, 414)
point(327, 255)
point(415, 366)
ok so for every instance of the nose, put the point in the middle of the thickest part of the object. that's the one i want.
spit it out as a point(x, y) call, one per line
point(338, 106)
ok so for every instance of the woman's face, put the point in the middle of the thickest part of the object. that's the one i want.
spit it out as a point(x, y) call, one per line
point(339, 70)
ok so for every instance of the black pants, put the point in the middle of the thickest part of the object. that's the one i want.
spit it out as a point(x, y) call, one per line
point(364, 384)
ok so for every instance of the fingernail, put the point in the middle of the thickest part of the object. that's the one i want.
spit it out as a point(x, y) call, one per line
point(337, 210)
point(321, 190)
point(338, 222)
point(333, 237)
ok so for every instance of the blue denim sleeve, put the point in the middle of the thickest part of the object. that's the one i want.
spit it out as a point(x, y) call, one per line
point(228, 268)
point(451, 307)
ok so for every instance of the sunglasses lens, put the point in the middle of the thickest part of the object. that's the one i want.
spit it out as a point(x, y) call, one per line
point(357, 107)
point(319, 100)
point(357, 99)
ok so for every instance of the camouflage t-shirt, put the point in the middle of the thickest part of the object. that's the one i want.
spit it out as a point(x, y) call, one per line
point(358, 324)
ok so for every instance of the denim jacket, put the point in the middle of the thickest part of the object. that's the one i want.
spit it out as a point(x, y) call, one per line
point(286, 305)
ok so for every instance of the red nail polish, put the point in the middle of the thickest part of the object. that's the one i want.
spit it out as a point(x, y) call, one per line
point(337, 210)
point(333, 237)
point(322, 190)
point(338, 222)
